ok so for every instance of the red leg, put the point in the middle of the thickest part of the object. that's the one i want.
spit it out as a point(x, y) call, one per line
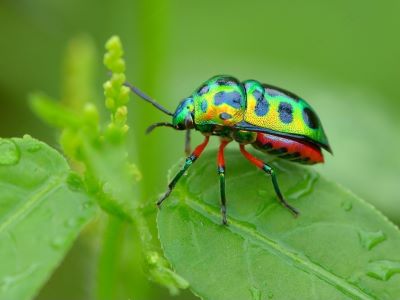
point(221, 172)
point(267, 169)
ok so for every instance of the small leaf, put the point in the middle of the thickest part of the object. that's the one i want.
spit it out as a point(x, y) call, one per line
point(42, 209)
point(53, 113)
point(265, 252)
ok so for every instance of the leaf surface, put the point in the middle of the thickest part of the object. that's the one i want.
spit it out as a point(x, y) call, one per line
point(340, 247)
point(43, 206)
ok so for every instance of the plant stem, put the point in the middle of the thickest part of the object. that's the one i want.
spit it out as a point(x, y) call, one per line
point(107, 271)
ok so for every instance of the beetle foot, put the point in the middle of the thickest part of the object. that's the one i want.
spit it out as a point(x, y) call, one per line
point(165, 196)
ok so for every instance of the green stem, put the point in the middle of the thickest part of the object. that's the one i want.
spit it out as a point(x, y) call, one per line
point(107, 271)
point(157, 266)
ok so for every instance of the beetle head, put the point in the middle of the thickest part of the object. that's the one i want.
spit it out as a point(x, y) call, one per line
point(183, 117)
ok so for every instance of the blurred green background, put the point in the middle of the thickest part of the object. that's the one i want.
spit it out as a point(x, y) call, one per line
point(342, 56)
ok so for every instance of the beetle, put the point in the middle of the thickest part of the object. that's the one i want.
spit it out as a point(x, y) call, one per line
point(271, 119)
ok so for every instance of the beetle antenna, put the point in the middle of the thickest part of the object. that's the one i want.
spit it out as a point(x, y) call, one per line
point(160, 124)
point(147, 98)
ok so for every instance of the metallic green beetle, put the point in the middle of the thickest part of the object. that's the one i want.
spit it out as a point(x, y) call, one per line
point(269, 118)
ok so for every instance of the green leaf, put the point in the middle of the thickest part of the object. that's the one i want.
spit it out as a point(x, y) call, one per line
point(43, 206)
point(109, 174)
point(340, 247)
point(53, 113)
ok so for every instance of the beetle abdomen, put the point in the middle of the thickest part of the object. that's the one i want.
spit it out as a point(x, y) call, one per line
point(271, 109)
point(290, 149)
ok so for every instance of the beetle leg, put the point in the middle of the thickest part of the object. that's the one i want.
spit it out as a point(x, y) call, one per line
point(189, 161)
point(221, 172)
point(267, 169)
point(187, 142)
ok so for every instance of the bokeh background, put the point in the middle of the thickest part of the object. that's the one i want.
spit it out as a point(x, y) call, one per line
point(342, 56)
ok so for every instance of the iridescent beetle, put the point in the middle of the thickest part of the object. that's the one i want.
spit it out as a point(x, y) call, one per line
point(269, 118)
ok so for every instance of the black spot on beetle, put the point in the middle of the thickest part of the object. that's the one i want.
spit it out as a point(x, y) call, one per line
point(290, 155)
point(275, 91)
point(310, 118)
point(248, 84)
point(262, 105)
point(267, 146)
point(203, 90)
point(226, 80)
point(285, 111)
point(257, 94)
point(278, 151)
point(230, 98)
point(225, 116)
point(204, 105)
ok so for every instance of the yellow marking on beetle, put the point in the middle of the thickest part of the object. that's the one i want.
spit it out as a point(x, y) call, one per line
point(272, 120)
point(213, 113)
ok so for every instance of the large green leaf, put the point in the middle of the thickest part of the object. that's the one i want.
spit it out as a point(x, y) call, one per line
point(42, 209)
point(338, 248)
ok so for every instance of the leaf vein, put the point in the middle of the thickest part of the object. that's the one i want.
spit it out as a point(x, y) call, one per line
point(31, 203)
point(299, 261)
